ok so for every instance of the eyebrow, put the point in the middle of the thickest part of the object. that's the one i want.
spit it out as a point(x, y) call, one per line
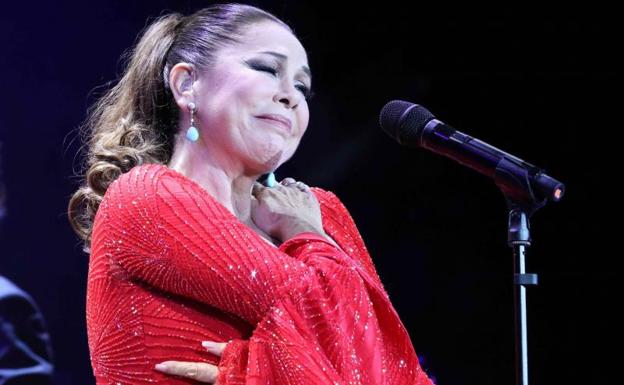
point(305, 69)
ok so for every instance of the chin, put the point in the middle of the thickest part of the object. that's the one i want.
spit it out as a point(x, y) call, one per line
point(264, 165)
point(274, 162)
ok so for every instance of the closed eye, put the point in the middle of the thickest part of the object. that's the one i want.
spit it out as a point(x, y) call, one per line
point(307, 93)
point(260, 67)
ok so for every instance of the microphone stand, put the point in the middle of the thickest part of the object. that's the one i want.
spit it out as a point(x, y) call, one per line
point(522, 203)
point(519, 239)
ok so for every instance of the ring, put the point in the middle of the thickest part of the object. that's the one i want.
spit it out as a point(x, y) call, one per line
point(302, 185)
point(288, 182)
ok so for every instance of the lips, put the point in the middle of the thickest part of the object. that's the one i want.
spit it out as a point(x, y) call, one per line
point(278, 120)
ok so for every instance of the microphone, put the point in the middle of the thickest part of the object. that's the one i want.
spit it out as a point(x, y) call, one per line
point(414, 126)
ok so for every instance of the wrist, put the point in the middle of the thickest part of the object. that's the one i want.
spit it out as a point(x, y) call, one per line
point(299, 228)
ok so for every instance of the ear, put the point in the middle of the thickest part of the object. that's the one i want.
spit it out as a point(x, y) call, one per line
point(182, 79)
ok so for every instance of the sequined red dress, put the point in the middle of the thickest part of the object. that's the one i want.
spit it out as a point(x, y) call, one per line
point(171, 267)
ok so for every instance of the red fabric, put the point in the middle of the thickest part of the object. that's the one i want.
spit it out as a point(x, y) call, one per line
point(170, 267)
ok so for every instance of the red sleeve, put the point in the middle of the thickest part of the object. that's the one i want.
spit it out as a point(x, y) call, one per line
point(344, 330)
point(338, 224)
point(320, 317)
point(165, 232)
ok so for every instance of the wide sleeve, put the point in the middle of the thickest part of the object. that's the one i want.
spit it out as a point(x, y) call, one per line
point(338, 224)
point(320, 316)
point(360, 339)
point(343, 331)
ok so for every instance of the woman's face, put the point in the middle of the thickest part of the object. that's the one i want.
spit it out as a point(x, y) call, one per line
point(266, 74)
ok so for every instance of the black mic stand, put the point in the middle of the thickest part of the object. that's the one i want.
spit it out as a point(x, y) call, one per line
point(514, 181)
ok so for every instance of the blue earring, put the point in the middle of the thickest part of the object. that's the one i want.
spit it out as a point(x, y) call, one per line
point(270, 181)
point(192, 134)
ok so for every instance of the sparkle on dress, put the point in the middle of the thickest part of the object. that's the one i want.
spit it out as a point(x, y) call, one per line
point(171, 267)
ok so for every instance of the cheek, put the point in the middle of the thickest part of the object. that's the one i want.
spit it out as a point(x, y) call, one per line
point(303, 120)
point(253, 89)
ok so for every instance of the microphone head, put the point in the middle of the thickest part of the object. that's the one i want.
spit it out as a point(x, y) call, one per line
point(404, 121)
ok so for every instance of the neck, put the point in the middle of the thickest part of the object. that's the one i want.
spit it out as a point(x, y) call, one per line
point(225, 181)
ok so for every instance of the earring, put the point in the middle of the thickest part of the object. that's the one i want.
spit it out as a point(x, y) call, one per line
point(270, 180)
point(192, 134)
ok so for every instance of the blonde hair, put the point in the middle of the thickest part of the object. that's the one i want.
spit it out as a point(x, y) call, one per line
point(135, 122)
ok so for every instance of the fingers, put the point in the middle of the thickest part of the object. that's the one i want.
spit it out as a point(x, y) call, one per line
point(302, 186)
point(288, 182)
point(197, 371)
point(215, 348)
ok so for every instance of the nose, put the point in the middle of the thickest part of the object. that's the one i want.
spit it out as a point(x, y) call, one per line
point(287, 95)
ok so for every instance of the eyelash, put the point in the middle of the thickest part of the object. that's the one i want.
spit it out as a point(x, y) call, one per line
point(309, 94)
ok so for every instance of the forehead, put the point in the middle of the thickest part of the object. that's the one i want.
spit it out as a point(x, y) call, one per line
point(270, 36)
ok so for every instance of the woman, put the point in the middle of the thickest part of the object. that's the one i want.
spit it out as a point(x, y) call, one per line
point(186, 246)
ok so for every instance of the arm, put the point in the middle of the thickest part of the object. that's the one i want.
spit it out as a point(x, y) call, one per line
point(343, 331)
point(315, 309)
point(383, 337)
point(339, 226)
point(185, 243)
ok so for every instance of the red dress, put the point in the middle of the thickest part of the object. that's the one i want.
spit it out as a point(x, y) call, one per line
point(171, 267)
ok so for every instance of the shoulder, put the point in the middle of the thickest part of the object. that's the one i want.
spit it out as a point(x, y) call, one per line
point(163, 191)
point(140, 177)
point(131, 191)
point(130, 202)
point(144, 181)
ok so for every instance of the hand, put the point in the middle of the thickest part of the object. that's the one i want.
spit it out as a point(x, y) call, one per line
point(198, 371)
point(286, 209)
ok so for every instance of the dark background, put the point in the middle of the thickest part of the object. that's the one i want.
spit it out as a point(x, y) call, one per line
point(536, 83)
